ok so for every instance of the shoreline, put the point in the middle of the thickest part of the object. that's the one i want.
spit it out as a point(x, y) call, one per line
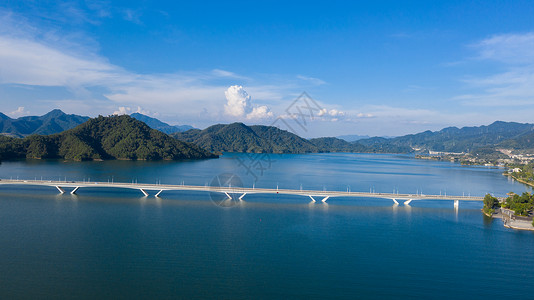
point(518, 180)
point(518, 228)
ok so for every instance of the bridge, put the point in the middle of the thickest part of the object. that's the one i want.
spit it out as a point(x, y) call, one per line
point(314, 195)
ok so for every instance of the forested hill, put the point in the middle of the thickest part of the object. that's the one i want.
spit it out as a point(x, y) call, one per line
point(113, 137)
point(238, 137)
point(466, 139)
point(53, 122)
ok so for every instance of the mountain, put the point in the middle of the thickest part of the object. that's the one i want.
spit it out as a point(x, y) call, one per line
point(353, 138)
point(113, 137)
point(453, 139)
point(161, 126)
point(332, 144)
point(522, 142)
point(238, 137)
point(53, 122)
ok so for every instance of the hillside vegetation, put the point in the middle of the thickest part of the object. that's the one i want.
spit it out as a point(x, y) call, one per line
point(238, 137)
point(113, 137)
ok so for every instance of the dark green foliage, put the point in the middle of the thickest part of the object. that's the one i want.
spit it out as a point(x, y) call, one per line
point(521, 205)
point(238, 137)
point(114, 137)
point(332, 144)
point(490, 204)
point(53, 122)
point(11, 148)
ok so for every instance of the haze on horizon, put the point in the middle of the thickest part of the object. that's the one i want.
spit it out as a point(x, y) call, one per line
point(373, 68)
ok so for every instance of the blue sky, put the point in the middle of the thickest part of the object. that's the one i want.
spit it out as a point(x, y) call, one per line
point(372, 67)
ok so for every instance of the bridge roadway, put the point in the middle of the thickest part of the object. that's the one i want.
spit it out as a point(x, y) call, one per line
point(312, 194)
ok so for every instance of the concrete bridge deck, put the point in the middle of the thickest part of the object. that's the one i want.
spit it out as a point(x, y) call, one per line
point(313, 194)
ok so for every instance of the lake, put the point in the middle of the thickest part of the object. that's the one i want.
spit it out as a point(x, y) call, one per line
point(114, 243)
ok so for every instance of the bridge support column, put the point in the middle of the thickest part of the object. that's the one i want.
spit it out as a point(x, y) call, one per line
point(60, 189)
point(241, 198)
point(157, 195)
point(325, 198)
point(74, 190)
point(228, 195)
point(144, 192)
point(312, 198)
point(408, 202)
point(395, 200)
point(456, 204)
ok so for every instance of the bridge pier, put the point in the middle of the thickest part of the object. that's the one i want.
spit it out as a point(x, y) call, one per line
point(395, 200)
point(144, 192)
point(312, 198)
point(60, 189)
point(456, 204)
point(408, 202)
point(157, 195)
point(74, 190)
point(241, 197)
point(228, 195)
point(325, 198)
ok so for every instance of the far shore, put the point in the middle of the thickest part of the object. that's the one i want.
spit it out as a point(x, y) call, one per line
point(519, 180)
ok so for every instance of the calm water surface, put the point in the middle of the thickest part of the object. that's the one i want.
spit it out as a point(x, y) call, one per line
point(113, 243)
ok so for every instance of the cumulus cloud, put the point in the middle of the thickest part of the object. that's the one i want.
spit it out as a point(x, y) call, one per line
point(19, 112)
point(364, 115)
point(260, 112)
point(30, 57)
point(238, 104)
point(331, 115)
point(123, 110)
point(237, 101)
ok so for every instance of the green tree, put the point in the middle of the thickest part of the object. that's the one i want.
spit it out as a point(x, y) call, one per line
point(490, 203)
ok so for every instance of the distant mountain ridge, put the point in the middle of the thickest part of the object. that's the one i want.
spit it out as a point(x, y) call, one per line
point(238, 137)
point(353, 137)
point(159, 125)
point(113, 137)
point(53, 122)
point(466, 139)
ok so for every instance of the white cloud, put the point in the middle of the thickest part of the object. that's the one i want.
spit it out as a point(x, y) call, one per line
point(123, 110)
point(507, 48)
point(513, 87)
point(238, 104)
point(333, 114)
point(19, 112)
point(28, 62)
point(364, 115)
point(237, 101)
point(312, 80)
point(35, 58)
point(260, 112)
